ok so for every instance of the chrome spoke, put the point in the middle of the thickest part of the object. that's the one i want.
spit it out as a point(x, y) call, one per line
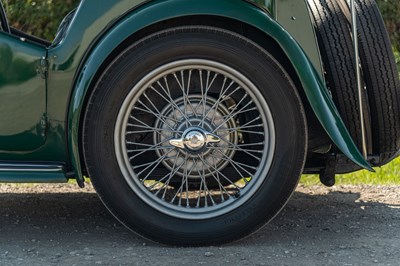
point(238, 148)
point(220, 184)
point(157, 115)
point(243, 131)
point(234, 148)
point(171, 100)
point(170, 175)
point(234, 167)
point(183, 180)
point(163, 118)
point(187, 89)
point(240, 165)
point(144, 125)
point(185, 92)
point(233, 114)
point(238, 113)
point(251, 132)
point(239, 145)
point(206, 190)
point(204, 93)
point(152, 131)
point(150, 146)
point(201, 88)
point(219, 172)
point(222, 189)
point(142, 144)
point(163, 97)
point(149, 163)
point(244, 126)
point(220, 99)
point(152, 149)
point(154, 165)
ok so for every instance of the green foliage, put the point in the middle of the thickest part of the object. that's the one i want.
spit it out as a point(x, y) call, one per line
point(391, 13)
point(38, 17)
point(397, 56)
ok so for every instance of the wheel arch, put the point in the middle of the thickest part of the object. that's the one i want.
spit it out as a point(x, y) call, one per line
point(254, 24)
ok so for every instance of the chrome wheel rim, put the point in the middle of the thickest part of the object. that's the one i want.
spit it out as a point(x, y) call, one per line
point(194, 139)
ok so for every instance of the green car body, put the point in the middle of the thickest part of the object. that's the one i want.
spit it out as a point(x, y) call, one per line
point(44, 89)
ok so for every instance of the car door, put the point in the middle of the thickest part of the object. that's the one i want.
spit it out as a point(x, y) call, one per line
point(22, 94)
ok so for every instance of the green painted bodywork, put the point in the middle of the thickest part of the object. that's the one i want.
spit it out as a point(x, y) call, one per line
point(32, 173)
point(295, 18)
point(22, 95)
point(23, 176)
point(100, 26)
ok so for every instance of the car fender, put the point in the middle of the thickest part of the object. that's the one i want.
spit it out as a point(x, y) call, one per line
point(155, 11)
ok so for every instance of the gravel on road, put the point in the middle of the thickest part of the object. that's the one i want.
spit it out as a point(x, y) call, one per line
point(60, 224)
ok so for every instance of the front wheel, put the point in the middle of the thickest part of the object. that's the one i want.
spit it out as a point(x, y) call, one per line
point(194, 136)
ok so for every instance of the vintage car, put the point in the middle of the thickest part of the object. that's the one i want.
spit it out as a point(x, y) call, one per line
point(194, 119)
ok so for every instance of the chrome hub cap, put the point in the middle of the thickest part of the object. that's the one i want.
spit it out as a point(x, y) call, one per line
point(194, 139)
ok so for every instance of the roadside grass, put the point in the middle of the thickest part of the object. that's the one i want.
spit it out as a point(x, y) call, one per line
point(386, 175)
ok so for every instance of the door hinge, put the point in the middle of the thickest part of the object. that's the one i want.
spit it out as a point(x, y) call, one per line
point(43, 125)
point(43, 68)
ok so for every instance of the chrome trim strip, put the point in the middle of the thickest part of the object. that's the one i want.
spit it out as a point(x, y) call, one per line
point(358, 73)
point(6, 167)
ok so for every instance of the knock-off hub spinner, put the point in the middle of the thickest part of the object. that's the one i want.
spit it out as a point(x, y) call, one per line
point(194, 139)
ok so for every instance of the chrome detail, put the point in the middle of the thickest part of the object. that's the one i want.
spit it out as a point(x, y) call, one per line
point(7, 167)
point(42, 68)
point(194, 139)
point(358, 75)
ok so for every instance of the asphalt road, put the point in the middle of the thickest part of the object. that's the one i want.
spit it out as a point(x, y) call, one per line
point(62, 225)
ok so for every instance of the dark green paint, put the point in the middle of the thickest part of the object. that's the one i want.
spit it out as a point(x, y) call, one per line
point(24, 134)
point(32, 177)
point(295, 18)
point(22, 96)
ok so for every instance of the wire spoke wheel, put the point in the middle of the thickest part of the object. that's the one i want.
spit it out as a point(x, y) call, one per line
point(207, 139)
point(194, 136)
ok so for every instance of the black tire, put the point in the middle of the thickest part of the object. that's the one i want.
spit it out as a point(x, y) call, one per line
point(121, 98)
point(337, 54)
point(381, 80)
